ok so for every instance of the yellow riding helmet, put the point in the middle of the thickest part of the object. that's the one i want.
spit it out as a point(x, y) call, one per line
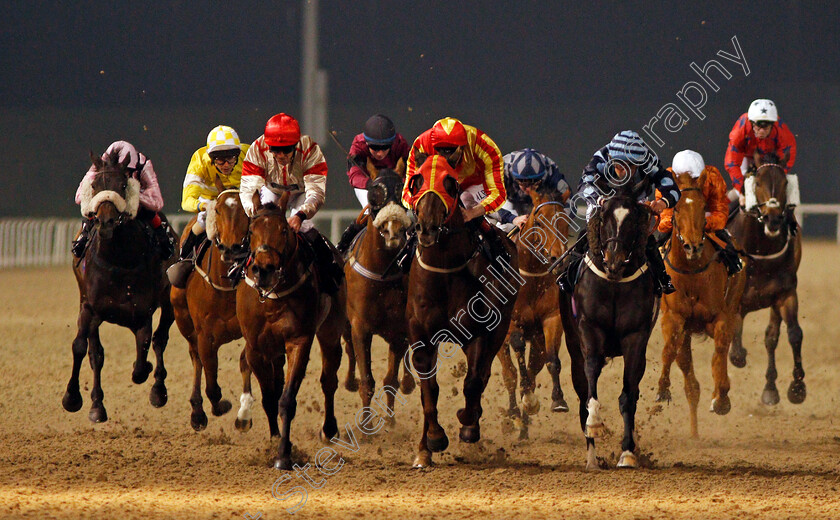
point(222, 138)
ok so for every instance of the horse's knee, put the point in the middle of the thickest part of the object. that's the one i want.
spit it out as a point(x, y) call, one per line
point(79, 347)
point(795, 335)
point(517, 341)
point(771, 335)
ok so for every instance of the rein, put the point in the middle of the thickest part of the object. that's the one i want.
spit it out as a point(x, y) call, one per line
point(272, 293)
point(206, 276)
point(601, 274)
point(362, 270)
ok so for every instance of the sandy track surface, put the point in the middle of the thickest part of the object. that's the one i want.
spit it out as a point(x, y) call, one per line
point(756, 462)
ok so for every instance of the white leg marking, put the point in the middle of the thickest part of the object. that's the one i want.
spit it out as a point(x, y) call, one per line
point(246, 401)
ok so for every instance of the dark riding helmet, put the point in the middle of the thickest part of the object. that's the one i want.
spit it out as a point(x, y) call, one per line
point(526, 165)
point(379, 130)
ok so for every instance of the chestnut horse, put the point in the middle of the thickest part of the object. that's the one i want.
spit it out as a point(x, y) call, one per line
point(376, 287)
point(611, 313)
point(205, 310)
point(452, 286)
point(121, 280)
point(773, 258)
point(281, 309)
point(535, 317)
point(706, 300)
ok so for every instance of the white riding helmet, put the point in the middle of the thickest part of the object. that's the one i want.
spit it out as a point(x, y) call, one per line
point(763, 110)
point(222, 138)
point(688, 161)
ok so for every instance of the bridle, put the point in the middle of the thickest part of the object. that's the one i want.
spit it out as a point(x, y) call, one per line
point(772, 202)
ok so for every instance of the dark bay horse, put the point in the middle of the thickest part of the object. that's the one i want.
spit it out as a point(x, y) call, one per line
point(455, 297)
point(121, 280)
point(281, 309)
point(536, 317)
point(205, 310)
point(611, 313)
point(376, 287)
point(774, 257)
point(706, 300)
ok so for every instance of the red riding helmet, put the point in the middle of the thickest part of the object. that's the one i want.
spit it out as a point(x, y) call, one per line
point(448, 132)
point(282, 130)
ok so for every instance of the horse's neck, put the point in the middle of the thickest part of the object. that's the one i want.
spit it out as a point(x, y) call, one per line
point(125, 248)
point(213, 265)
point(529, 259)
point(756, 241)
point(452, 249)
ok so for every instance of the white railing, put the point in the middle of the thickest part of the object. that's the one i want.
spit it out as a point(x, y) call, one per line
point(46, 241)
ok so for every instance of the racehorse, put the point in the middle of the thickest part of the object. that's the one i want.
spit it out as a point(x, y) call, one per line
point(611, 313)
point(281, 309)
point(205, 310)
point(121, 280)
point(774, 253)
point(536, 317)
point(376, 287)
point(706, 300)
point(452, 287)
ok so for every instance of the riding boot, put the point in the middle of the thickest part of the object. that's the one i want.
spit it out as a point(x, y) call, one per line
point(728, 255)
point(790, 217)
point(657, 267)
point(328, 267)
point(80, 244)
point(404, 257)
point(164, 241)
point(568, 278)
point(180, 271)
point(348, 236)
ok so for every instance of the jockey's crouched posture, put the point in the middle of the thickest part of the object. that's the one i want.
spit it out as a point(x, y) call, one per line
point(760, 129)
point(477, 162)
point(717, 206)
point(526, 170)
point(151, 200)
point(212, 169)
point(623, 163)
point(284, 160)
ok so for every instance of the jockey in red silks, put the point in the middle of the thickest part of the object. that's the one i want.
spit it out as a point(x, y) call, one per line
point(479, 167)
point(759, 129)
point(151, 200)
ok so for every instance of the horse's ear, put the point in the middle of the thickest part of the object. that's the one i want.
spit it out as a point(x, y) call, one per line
point(124, 163)
point(756, 158)
point(96, 161)
point(415, 183)
point(284, 201)
point(255, 200)
point(456, 156)
point(400, 168)
point(783, 160)
point(372, 170)
point(451, 186)
point(419, 159)
point(701, 181)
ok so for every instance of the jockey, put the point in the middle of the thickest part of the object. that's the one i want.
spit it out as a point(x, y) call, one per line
point(528, 169)
point(212, 169)
point(478, 164)
point(626, 159)
point(759, 129)
point(717, 206)
point(384, 147)
point(284, 160)
point(151, 200)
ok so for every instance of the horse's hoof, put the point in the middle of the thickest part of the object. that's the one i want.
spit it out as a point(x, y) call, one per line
point(770, 396)
point(530, 404)
point(422, 460)
point(594, 431)
point(158, 396)
point(243, 425)
point(470, 434)
point(141, 373)
point(198, 421)
point(664, 396)
point(738, 358)
point(559, 405)
point(98, 414)
point(72, 401)
point(523, 433)
point(390, 421)
point(437, 444)
point(283, 463)
point(513, 412)
point(221, 408)
point(721, 406)
point(628, 460)
point(407, 384)
point(796, 391)
point(351, 385)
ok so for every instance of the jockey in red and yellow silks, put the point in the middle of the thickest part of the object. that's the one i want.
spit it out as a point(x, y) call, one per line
point(480, 163)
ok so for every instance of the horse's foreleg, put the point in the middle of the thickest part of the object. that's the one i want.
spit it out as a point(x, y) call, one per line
point(553, 333)
point(72, 400)
point(723, 338)
point(593, 363)
point(208, 350)
point(297, 352)
point(634, 347)
point(790, 313)
point(330, 363)
point(158, 396)
point(262, 369)
point(396, 351)
point(480, 356)
point(351, 384)
point(673, 333)
point(509, 378)
point(692, 386)
point(142, 339)
point(246, 400)
point(96, 355)
point(517, 344)
point(198, 419)
point(361, 347)
point(434, 439)
point(737, 352)
point(770, 395)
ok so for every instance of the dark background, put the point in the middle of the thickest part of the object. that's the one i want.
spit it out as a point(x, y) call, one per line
point(555, 76)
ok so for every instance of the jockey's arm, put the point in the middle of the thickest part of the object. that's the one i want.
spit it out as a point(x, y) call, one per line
point(150, 196)
point(488, 156)
point(197, 192)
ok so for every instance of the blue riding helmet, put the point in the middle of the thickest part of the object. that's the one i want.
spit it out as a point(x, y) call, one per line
point(526, 165)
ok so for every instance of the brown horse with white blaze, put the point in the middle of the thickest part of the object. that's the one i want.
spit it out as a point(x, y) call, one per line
point(453, 287)
point(706, 300)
